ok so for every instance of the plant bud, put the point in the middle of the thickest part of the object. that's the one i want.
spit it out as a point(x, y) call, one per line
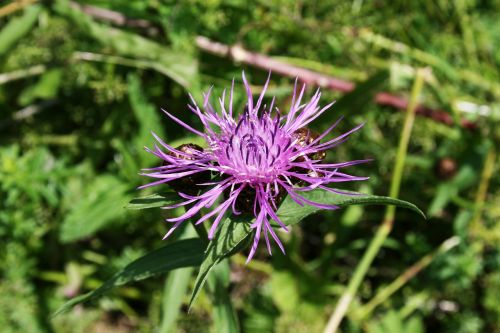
point(246, 199)
point(189, 184)
point(305, 137)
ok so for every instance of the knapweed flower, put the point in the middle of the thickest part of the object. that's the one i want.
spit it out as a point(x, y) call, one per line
point(251, 161)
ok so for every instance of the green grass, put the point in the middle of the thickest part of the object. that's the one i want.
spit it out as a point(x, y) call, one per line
point(79, 97)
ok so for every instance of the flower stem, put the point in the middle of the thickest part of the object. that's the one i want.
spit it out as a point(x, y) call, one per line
point(488, 168)
point(224, 314)
point(386, 226)
point(15, 6)
point(176, 285)
point(401, 280)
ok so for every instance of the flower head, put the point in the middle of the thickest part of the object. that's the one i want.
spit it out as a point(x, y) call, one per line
point(255, 158)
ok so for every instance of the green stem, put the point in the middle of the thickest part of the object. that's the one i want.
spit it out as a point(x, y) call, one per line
point(15, 6)
point(176, 286)
point(225, 317)
point(224, 314)
point(403, 143)
point(401, 280)
point(488, 168)
point(386, 226)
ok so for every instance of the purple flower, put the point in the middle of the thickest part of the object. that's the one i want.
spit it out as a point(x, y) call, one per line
point(255, 158)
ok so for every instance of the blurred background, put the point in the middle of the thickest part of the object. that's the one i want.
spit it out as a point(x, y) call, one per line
point(81, 87)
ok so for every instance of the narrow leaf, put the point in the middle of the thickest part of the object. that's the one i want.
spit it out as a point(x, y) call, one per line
point(154, 201)
point(18, 28)
point(224, 314)
point(235, 230)
point(183, 253)
point(96, 209)
point(176, 287)
point(232, 233)
point(180, 67)
point(291, 213)
point(362, 96)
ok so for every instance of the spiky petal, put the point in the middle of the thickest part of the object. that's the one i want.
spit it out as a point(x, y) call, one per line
point(255, 152)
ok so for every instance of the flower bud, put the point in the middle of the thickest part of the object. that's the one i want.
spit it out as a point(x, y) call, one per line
point(246, 199)
point(304, 137)
point(189, 184)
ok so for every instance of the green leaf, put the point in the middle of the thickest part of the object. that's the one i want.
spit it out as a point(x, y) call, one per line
point(291, 213)
point(236, 229)
point(98, 207)
point(178, 66)
point(224, 314)
point(147, 115)
point(46, 88)
point(17, 28)
point(362, 96)
point(154, 201)
point(445, 191)
point(176, 286)
point(183, 253)
point(231, 234)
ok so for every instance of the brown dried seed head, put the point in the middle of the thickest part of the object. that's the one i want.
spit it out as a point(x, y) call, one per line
point(446, 168)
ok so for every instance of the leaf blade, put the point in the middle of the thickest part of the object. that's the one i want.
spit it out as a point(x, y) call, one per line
point(17, 28)
point(218, 248)
point(176, 286)
point(179, 66)
point(234, 231)
point(154, 201)
point(183, 253)
point(96, 209)
point(291, 213)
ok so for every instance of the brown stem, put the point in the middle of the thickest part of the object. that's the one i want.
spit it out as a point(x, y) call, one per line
point(111, 16)
point(239, 54)
point(15, 6)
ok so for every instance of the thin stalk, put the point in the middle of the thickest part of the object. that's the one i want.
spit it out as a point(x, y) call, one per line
point(489, 166)
point(15, 6)
point(403, 144)
point(386, 226)
point(401, 280)
point(429, 59)
point(22, 73)
point(176, 285)
point(224, 314)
